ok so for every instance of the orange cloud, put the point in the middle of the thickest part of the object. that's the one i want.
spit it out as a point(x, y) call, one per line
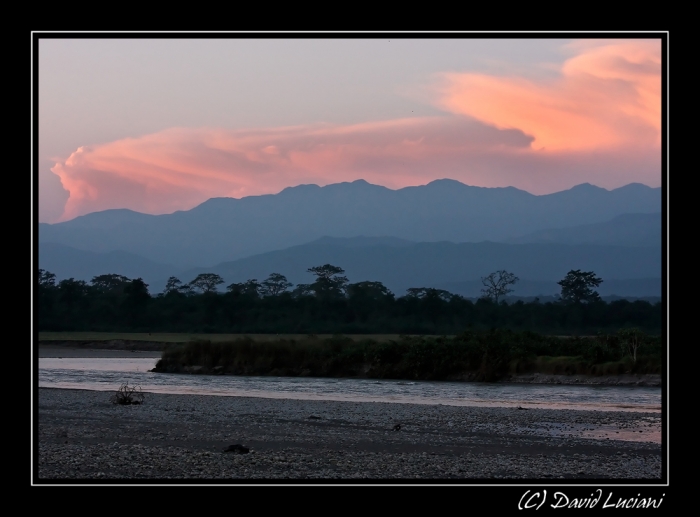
point(179, 168)
point(599, 122)
point(608, 96)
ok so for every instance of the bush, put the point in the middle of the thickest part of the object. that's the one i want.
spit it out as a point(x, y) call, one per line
point(127, 395)
point(479, 355)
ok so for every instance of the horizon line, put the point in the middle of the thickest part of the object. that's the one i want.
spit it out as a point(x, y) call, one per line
point(360, 180)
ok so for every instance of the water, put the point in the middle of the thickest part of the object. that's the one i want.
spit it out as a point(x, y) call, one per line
point(108, 374)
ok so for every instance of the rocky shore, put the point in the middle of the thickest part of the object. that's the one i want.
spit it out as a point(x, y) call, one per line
point(83, 436)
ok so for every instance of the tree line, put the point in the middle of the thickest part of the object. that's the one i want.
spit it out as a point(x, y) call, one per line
point(473, 355)
point(330, 304)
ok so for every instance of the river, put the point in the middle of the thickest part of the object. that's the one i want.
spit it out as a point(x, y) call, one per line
point(108, 374)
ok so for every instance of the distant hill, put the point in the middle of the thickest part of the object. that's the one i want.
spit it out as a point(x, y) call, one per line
point(399, 264)
point(223, 229)
point(67, 262)
point(623, 230)
point(454, 267)
point(632, 287)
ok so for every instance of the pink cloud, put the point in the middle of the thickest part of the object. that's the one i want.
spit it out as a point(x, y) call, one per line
point(179, 168)
point(599, 122)
point(607, 96)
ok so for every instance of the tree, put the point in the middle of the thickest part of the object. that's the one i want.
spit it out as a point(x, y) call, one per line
point(110, 283)
point(429, 293)
point(366, 298)
point(369, 291)
point(250, 287)
point(428, 302)
point(47, 280)
point(632, 338)
point(137, 292)
point(329, 283)
point(72, 291)
point(302, 290)
point(173, 286)
point(136, 300)
point(577, 286)
point(275, 284)
point(206, 282)
point(497, 284)
point(46, 291)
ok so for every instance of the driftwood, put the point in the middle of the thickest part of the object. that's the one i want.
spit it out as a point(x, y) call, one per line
point(126, 395)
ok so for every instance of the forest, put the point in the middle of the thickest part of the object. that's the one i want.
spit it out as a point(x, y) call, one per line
point(329, 305)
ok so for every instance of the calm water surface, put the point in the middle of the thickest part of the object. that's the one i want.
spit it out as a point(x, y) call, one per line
point(109, 374)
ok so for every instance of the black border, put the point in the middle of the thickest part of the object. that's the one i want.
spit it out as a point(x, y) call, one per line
point(513, 490)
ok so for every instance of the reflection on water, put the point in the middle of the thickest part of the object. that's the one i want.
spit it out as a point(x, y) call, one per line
point(109, 374)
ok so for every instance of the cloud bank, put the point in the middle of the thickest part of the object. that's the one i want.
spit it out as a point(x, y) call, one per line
point(607, 97)
point(598, 122)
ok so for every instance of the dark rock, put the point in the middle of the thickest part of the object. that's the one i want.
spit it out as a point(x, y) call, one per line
point(397, 427)
point(237, 448)
point(314, 417)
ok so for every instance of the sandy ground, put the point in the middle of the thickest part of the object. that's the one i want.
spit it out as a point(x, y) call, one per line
point(82, 435)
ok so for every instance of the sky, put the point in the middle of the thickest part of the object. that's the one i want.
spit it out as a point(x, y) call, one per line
point(159, 125)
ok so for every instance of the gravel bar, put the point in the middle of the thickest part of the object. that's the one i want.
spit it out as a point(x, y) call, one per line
point(83, 436)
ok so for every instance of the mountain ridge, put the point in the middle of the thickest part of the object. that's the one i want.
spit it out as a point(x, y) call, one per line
point(222, 229)
point(401, 264)
point(625, 229)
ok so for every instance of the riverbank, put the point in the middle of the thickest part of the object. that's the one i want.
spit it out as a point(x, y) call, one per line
point(647, 380)
point(122, 345)
point(53, 351)
point(83, 436)
point(117, 349)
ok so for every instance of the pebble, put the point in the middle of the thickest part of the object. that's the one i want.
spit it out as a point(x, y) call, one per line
point(83, 436)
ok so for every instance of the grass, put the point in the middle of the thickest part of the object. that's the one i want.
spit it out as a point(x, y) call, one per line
point(577, 365)
point(164, 337)
point(477, 355)
point(485, 356)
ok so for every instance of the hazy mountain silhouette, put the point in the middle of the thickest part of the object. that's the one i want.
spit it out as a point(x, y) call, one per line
point(222, 229)
point(399, 264)
point(623, 230)
point(437, 264)
point(632, 287)
point(67, 262)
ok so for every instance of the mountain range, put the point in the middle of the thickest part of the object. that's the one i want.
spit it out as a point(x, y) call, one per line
point(225, 229)
point(444, 235)
point(436, 264)
point(623, 230)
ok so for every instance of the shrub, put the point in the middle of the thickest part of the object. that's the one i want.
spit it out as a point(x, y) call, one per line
point(127, 395)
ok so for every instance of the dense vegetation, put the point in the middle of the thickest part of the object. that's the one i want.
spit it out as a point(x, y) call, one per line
point(480, 356)
point(330, 305)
